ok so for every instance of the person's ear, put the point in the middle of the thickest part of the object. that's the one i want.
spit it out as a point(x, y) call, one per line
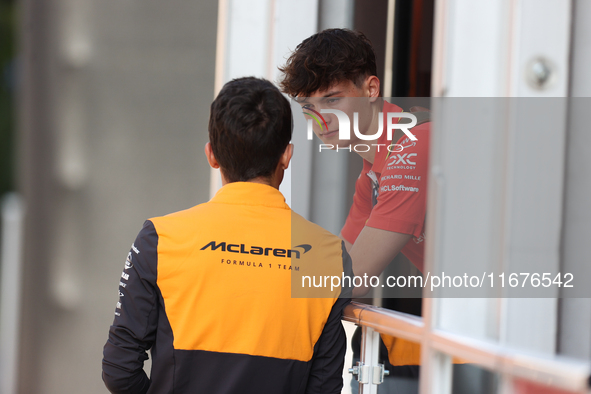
point(286, 157)
point(373, 87)
point(210, 156)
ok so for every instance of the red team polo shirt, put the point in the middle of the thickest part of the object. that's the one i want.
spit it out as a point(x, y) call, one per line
point(400, 181)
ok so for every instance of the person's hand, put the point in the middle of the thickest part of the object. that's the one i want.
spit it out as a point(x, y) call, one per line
point(372, 251)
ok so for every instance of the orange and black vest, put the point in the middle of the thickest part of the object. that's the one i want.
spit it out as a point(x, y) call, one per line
point(221, 295)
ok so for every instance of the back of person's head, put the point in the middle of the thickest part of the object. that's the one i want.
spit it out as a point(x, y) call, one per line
point(250, 126)
point(326, 58)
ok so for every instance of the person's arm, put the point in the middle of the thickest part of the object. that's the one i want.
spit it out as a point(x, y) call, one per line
point(400, 210)
point(326, 372)
point(134, 328)
point(373, 250)
point(348, 244)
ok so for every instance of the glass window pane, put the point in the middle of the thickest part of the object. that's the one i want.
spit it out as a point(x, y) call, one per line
point(471, 379)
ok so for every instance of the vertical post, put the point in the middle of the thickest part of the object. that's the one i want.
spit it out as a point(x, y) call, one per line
point(575, 313)
point(436, 368)
point(506, 385)
point(387, 88)
point(440, 377)
point(370, 347)
point(10, 290)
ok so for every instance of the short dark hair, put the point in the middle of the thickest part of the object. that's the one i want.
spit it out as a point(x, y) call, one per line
point(326, 58)
point(250, 126)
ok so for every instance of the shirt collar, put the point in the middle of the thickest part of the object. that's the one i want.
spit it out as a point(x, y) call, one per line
point(250, 193)
point(383, 154)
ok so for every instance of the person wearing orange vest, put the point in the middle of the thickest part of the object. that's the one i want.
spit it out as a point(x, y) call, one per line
point(216, 292)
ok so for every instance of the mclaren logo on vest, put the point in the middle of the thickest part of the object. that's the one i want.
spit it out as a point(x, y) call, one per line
point(257, 250)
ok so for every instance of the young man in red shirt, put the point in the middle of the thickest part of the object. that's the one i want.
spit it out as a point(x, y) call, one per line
point(336, 69)
point(327, 71)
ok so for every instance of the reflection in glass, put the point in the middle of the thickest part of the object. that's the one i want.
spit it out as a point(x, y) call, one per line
point(471, 379)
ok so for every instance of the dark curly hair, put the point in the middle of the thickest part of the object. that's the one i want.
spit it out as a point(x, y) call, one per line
point(326, 58)
point(249, 128)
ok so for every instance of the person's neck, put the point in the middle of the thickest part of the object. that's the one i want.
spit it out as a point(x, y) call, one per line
point(269, 181)
point(370, 155)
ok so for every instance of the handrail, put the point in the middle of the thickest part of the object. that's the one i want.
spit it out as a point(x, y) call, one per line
point(385, 321)
point(557, 371)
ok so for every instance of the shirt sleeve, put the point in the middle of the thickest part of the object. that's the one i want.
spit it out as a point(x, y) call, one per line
point(402, 200)
point(361, 208)
point(326, 374)
point(136, 316)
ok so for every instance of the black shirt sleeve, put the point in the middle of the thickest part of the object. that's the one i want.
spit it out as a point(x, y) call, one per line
point(326, 375)
point(136, 316)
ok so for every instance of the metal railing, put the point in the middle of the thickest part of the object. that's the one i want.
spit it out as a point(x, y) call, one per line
point(558, 372)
